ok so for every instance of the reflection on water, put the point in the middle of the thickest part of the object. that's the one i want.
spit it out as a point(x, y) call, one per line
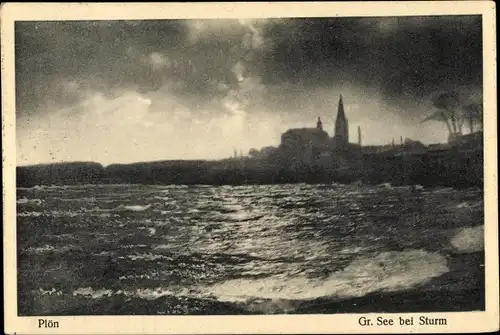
point(280, 244)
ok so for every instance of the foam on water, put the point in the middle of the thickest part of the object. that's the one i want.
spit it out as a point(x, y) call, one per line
point(90, 292)
point(134, 277)
point(65, 213)
point(23, 201)
point(467, 240)
point(49, 187)
point(148, 256)
point(53, 291)
point(45, 248)
point(388, 271)
point(125, 208)
point(135, 208)
point(50, 248)
point(79, 200)
point(163, 246)
point(132, 246)
point(150, 294)
point(469, 204)
point(29, 214)
point(142, 293)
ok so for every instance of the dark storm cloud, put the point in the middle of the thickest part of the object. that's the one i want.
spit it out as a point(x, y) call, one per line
point(111, 56)
point(403, 58)
point(97, 55)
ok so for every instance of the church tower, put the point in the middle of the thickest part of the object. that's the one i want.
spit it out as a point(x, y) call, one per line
point(341, 126)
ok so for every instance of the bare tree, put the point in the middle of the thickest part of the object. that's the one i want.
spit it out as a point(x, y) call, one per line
point(447, 105)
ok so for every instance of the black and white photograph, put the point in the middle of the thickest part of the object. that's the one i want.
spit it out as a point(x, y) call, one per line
point(235, 166)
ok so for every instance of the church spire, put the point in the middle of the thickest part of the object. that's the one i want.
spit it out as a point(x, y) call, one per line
point(340, 113)
point(341, 125)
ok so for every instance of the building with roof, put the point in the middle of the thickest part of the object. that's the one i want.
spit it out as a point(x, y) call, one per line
point(313, 143)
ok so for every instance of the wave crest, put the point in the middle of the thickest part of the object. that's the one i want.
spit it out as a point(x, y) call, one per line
point(388, 271)
point(468, 240)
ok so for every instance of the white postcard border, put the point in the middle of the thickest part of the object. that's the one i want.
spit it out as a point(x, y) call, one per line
point(307, 324)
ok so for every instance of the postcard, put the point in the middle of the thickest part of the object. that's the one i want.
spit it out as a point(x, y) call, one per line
point(250, 168)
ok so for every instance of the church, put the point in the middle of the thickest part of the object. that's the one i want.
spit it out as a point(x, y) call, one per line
point(311, 143)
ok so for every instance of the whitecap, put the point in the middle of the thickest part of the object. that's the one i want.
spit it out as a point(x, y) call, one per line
point(151, 294)
point(388, 271)
point(136, 276)
point(148, 257)
point(163, 246)
point(23, 201)
point(49, 187)
point(467, 204)
point(135, 208)
point(162, 198)
point(61, 213)
point(83, 199)
point(151, 230)
point(132, 246)
point(50, 248)
point(29, 214)
point(467, 240)
point(131, 208)
point(45, 248)
point(53, 291)
point(90, 292)
point(143, 293)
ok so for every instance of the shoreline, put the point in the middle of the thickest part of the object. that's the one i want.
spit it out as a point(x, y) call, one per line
point(462, 171)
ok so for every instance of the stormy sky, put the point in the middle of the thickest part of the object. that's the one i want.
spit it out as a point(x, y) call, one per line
point(124, 91)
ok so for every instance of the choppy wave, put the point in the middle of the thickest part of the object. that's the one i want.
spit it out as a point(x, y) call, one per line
point(132, 208)
point(151, 230)
point(274, 245)
point(387, 271)
point(78, 200)
point(95, 294)
point(25, 200)
point(52, 249)
point(470, 204)
point(29, 214)
point(52, 291)
point(148, 256)
point(143, 293)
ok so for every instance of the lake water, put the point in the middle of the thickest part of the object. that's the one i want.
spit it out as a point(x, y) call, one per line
point(136, 249)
